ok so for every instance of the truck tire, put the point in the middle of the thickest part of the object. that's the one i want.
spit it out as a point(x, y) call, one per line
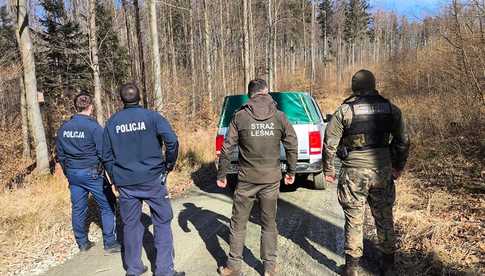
point(319, 182)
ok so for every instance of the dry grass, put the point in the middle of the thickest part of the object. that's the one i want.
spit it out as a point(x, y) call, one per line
point(441, 233)
point(35, 224)
point(440, 212)
point(11, 146)
point(197, 148)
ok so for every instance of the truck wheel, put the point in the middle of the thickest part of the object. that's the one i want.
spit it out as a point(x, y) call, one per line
point(319, 181)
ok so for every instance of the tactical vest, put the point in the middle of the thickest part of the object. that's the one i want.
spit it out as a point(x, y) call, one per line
point(371, 123)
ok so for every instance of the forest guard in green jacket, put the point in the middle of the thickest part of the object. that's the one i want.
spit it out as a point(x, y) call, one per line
point(257, 129)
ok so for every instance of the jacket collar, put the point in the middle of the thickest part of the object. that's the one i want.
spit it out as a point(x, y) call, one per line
point(132, 106)
point(79, 115)
point(366, 93)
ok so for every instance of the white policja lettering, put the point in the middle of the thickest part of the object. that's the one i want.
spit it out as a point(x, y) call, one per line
point(131, 127)
point(73, 134)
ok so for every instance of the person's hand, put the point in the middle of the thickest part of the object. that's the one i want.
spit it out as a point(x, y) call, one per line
point(330, 179)
point(222, 183)
point(115, 191)
point(169, 167)
point(396, 173)
point(289, 179)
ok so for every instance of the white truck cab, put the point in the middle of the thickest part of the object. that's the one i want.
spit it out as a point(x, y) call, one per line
point(306, 118)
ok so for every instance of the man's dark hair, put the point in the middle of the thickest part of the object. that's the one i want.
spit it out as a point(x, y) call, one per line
point(256, 86)
point(129, 93)
point(82, 101)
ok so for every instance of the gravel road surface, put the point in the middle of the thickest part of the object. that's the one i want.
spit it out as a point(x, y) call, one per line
point(311, 237)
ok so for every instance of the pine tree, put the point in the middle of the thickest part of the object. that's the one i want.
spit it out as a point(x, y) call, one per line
point(325, 18)
point(113, 58)
point(8, 44)
point(357, 20)
point(62, 52)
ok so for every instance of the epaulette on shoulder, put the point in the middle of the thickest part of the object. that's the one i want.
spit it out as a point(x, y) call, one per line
point(348, 99)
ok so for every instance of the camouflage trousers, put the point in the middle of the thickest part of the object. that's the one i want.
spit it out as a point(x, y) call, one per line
point(358, 186)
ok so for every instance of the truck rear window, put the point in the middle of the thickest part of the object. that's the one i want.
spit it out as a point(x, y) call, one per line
point(298, 107)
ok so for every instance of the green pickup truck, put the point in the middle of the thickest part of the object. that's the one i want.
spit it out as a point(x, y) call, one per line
point(304, 114)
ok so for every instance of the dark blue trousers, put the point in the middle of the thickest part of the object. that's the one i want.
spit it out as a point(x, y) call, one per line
point(81, 183)
point(155, 194)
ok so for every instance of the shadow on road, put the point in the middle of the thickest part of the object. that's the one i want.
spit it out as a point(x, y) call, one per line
point(146, 220)
point(293, 221)
point(211, 225)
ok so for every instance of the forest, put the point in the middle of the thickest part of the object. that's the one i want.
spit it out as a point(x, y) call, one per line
point(187, 55)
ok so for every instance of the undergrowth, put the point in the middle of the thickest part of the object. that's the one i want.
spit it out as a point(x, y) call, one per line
point(440, 208)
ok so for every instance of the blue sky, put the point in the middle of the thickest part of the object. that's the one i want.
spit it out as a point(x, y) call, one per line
point(414, 9)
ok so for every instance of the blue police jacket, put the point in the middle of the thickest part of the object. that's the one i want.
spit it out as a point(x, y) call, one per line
point(132, 146)
point(79, 143)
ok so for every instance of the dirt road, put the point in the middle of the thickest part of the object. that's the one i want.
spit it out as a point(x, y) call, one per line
point(310, 242)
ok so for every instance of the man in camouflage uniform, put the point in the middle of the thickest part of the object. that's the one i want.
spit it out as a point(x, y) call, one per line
point(257, 129)
point(369, 135)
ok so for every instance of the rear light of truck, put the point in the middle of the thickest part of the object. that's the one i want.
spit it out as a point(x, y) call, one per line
point(315, 140)
point(219, 143)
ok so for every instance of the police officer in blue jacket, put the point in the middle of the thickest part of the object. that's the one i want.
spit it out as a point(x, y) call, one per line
point(79, 148)
point(132, 154)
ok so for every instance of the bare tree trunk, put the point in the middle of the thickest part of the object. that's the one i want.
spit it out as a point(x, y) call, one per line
point(312, 50)
point(339, 60)
point(93, 46)
point(223, 44)
point(325, 38)
point(303, 2)
point(157, 69)
point(232, 58)
point(141, 54)
point(192, 55)
point(247, 76)
point(273, 47)
point(129, 39)
point(207, 46)
point(27, 56)
point(252, 45)
point(25, 120)
point(173, 59)
point(270, 46)
point(202, 80)
point(76, 10)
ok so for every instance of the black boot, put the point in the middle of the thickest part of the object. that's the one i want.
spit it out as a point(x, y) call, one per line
point(114, 248)
point(145, 269)
point(387, 267)
point(351, 266)
point(86, 247)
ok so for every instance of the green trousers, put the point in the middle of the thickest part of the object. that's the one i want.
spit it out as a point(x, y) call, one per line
point(244, 197)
